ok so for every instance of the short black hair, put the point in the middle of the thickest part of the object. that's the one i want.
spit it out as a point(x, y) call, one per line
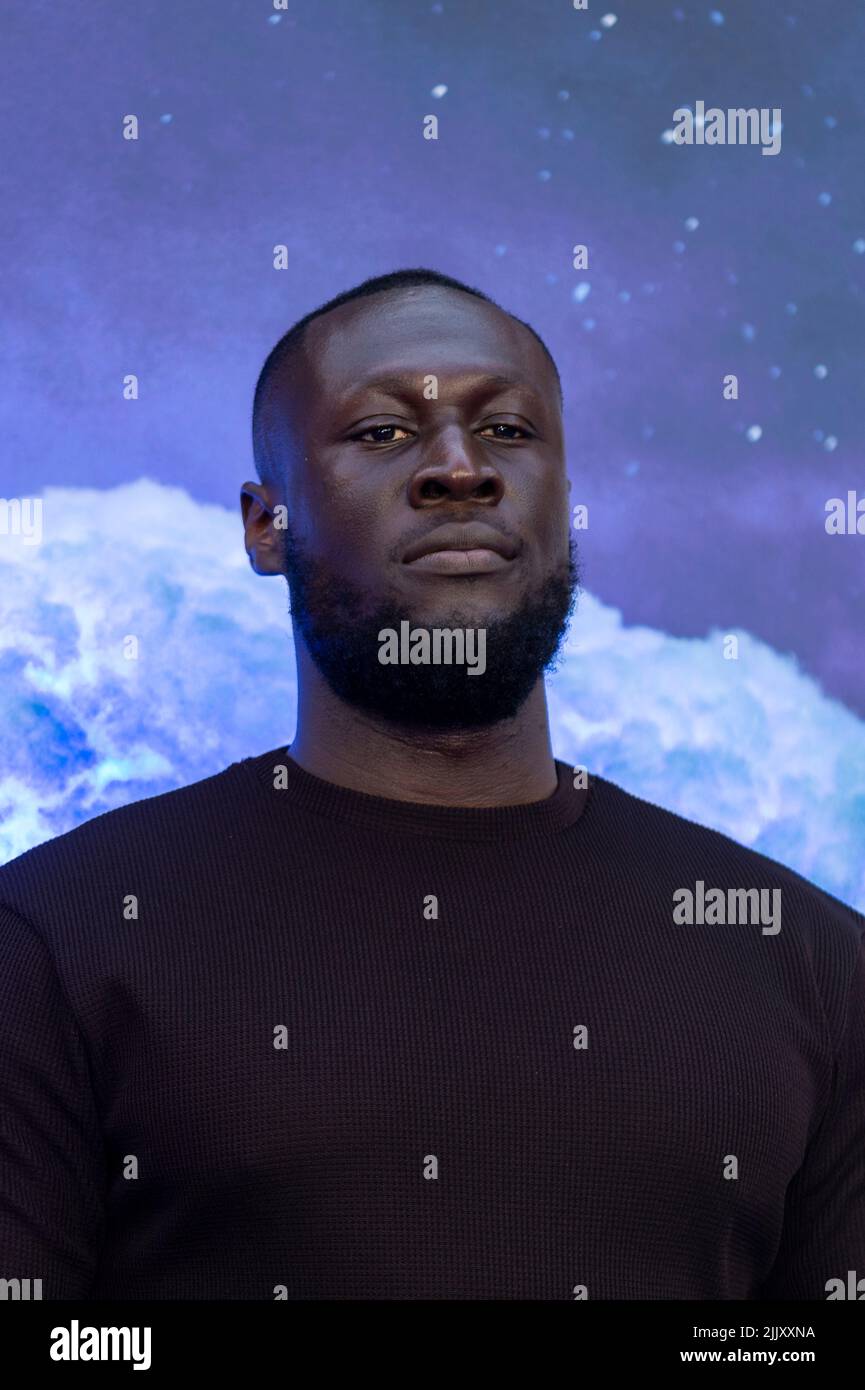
point(291, 343)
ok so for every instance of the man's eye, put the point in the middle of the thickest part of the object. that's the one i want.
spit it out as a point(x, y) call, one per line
point(501, 425)
point(380, 434)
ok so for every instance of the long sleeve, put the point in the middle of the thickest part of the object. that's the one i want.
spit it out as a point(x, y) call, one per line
point(824, 1221)
point(52, 1167)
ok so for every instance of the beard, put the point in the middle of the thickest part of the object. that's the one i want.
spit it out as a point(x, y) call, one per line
point(341, 626)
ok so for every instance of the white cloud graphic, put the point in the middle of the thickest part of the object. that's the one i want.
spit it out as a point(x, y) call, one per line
point(751, 747)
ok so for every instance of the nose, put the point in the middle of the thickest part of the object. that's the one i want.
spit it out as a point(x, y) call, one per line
point(454, 474)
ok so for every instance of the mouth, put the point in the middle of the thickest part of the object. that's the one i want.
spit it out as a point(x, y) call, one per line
point(478, 560)
point(455, 550)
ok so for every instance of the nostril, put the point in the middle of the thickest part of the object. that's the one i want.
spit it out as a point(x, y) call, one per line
point(432, 490)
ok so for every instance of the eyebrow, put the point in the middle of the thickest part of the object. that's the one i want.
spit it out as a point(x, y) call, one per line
point(405, 387)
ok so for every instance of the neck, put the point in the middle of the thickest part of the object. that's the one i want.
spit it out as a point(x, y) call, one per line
point(507, 764)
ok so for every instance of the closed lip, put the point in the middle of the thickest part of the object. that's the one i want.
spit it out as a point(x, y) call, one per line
point(477, 537)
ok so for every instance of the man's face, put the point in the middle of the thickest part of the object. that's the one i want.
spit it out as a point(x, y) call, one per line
point(412, 411)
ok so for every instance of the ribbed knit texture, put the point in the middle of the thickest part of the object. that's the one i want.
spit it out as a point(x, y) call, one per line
point(428, 1130)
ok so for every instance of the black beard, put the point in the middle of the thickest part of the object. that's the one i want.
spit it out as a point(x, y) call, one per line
point(341, 630)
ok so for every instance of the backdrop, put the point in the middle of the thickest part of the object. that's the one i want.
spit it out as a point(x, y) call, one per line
point(305, 126)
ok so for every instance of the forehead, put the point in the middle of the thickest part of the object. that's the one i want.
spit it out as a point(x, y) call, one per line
point(425, 330)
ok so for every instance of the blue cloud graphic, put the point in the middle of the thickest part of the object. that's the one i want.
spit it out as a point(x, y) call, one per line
point(750, 746)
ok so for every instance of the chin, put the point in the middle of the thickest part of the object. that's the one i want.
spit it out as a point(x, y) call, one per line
point(463, 601)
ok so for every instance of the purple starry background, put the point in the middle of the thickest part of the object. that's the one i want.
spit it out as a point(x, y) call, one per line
point(304, 127)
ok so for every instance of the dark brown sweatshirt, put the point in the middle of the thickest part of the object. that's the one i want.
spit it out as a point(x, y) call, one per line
point(266, 1037)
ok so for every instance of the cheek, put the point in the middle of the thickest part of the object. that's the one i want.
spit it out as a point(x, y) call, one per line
point(553, 518)
point(369, 516)
point(335, 514)
point(350, 535)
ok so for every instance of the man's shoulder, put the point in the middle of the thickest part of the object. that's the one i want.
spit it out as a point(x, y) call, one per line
point(138, 837)
point(671, 839)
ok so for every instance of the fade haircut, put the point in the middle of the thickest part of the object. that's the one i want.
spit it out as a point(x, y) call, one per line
point(291, 344)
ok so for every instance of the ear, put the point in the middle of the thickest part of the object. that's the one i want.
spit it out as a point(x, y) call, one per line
point(262, 538)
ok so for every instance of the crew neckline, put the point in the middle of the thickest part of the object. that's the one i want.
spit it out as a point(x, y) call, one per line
point(332, 802)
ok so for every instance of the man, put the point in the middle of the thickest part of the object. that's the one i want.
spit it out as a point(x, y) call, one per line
point(412, 1010)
